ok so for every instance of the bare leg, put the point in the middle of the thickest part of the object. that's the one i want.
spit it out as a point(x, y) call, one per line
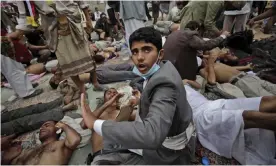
point(79, 83)
point(228, 22)
point(268, 104)
point(94, 80)
point(255, 119)
point(85, 77)
point(71, 106)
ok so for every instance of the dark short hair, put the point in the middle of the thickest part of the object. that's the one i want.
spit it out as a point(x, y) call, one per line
point(99, 58)
point(102, 14)
point(148, 35)
point(193, 25)
point(107, 90)
point(53, 84)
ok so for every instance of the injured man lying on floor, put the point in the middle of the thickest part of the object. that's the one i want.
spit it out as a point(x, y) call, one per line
point(51, 151)
point(249, 83)
point(240, 128)
point(112, 109)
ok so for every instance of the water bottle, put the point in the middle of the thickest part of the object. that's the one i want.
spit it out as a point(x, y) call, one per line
point(205, 161)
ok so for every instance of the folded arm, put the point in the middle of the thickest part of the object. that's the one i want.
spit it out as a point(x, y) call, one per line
point(72, 139)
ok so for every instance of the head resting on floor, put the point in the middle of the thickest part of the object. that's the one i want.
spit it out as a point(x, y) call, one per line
point(48, 131)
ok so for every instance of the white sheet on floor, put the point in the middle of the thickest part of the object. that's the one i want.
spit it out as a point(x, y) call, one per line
point(75, 124)
point(220, 128)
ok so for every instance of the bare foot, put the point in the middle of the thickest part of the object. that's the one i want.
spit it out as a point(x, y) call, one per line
point(70, 106)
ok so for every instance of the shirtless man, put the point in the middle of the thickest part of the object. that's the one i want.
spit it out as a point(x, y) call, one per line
point(109, 111)
point(251, 85)
point(51, 152)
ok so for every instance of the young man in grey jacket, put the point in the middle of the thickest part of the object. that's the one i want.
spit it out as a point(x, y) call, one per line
point(163, 130)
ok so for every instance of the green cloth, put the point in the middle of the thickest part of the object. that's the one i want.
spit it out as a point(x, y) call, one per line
point(203, 12)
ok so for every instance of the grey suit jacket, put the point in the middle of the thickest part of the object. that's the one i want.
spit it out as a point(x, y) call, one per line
point(164, 111)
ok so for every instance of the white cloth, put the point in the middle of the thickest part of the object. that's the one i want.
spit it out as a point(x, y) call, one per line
point(17, 77)
point(75, 124)
point(132, 25)
point(98, 127)
point(97, 15)
point(246, 9)
point(220, 128)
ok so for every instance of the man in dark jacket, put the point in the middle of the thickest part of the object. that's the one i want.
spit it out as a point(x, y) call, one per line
point(181, 49)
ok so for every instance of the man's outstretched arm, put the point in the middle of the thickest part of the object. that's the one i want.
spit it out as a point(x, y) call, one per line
point(73, 138)
point(271, 12)
point(199, 44)
point(88, 115)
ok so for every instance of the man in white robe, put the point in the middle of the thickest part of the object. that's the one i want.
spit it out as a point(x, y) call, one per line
point(239, 128)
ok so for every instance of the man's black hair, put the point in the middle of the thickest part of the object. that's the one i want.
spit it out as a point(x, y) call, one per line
point(53, 84)
point(107, 90)
point(193, 25)
point(148, 35)
point(99, 58)
point(102, 14)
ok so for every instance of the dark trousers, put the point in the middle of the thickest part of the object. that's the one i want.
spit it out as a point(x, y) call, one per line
point(115, 73)
point(147, 11)
point(30, 118)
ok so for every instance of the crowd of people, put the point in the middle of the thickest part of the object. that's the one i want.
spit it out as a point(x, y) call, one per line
point(197, 76)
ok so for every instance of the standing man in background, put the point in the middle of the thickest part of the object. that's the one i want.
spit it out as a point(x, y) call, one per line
point(65, 28)
point(97, 14)
point(133, 14)
point(236, 18)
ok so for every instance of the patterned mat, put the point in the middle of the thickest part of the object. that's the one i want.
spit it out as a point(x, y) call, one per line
point(48, 95)
point(214, 159)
